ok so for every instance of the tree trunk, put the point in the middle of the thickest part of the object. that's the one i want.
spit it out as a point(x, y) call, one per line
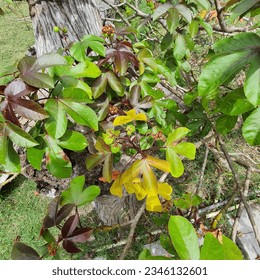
point(79, 17)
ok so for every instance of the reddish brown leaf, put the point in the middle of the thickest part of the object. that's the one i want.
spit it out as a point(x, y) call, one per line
point(69, 226)
point(80, 235)
point(70, 247)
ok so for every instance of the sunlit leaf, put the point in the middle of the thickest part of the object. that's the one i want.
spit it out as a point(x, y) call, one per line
point(130, 116)
point(184, 238)
point(251, 128)
point(73, 140)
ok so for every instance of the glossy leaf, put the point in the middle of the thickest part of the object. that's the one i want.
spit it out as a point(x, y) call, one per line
point(211, 249)
point(12, 160)
point(77, 94)
point(186, 149)
point(220, 70)
point(244, 6)
point(99, 85)
point(3, 143)
point(21, 251)
point(35, 154)
point(204, 4)
point(235, 103)
point(55, 215)
point(19, 136)
point(161, 10)
point(80, 113)
point(160, 164)
point(184, 11)
point(115, 83)
point(225, 124)
point(180, 47)
point(78, 50)
point(252, 82)
point(70, 225)
point(231, 251)
point(85, 69)
point(145, 56)
point(131, 115)
point(177, 135)
point(251, 128)
point(48, 60)
point(73, 140)
point(184, 238)
point(33, 77)
point(78, 196)
point(56, 125)
point(176, 165)
point(56, 160)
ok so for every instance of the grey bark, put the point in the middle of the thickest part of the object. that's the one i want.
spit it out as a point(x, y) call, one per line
point(79, 17)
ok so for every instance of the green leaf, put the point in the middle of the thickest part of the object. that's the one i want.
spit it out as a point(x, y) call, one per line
point(235, 103)
point(177, 135)
point(85, 69)
point(221, 69)
point(115, 83)
point(180, 47)
point(78, 50)
point(73, 140)
point(251, 128)
point(161, 10)
point(184, 11)
point(77, 94)
point(146, 57)
point(204, 4)
point(56, 160)
point(207, 27)
point(184, 238)
point(175, 162)
point(211, 249)
point(94, 160)
point(56, 125)
point(244, 6)
point(194, 28)
point(186, 149)
point(76, 195)
point(99, 85)
point(231, 251)
point(239, 42)
point(12, 160)
point(19, 136)
point(225, 124)
point(252, 82)
point(172, 20)
point(3, 144)
point(35, 154)
point(80, 113)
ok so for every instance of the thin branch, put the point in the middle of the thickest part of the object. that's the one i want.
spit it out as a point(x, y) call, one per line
point(203, 168)
point(132, 230)
point(240, 208)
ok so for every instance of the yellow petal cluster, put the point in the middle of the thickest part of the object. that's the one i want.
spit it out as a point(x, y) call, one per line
point(139, 179)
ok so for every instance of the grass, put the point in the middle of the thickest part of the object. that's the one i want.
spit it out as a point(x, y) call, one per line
point(15, 35)
point(21, 214)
